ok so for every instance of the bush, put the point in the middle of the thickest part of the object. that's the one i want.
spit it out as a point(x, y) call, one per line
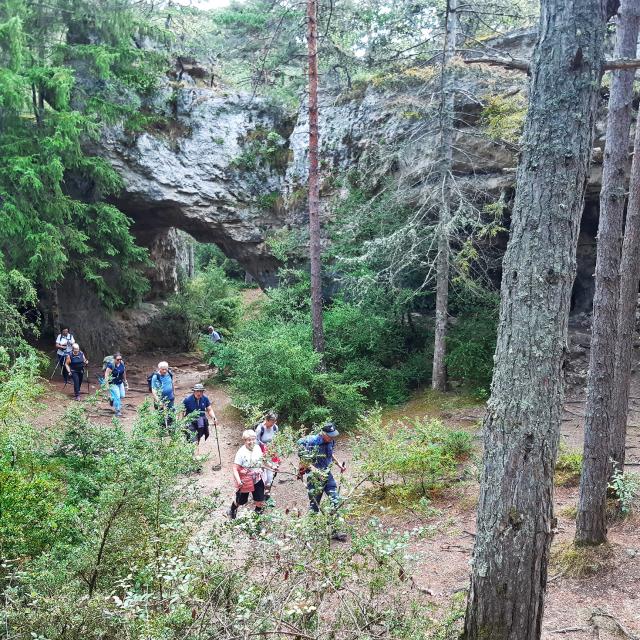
point(471, 344)
point(420, 454)
point(568, 467)
point(208, 299)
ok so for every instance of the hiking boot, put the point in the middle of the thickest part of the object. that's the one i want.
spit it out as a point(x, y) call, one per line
point(118, 414)
point(232, 513)
point(339, 536)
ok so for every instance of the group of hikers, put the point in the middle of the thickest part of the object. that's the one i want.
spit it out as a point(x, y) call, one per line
point(256, 463)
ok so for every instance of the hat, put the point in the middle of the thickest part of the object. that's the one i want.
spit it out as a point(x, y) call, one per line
point(198, 387)
point(330, 430)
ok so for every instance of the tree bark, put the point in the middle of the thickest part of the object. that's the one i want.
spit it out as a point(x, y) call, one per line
point(591, 518)
point(629, 280)
point(522, 424)
point(314, 183)
point(439, 370)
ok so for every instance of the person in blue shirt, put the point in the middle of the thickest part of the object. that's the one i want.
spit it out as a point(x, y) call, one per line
point(163, 391)
point(115, 374)
point(317, 451)
point(197, 407)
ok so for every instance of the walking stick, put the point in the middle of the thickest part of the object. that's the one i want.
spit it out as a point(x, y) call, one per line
point(55, 368)
point(217, 467)
point(88, 387)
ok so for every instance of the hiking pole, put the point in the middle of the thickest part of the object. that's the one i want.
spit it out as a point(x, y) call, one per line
point(217, 467)
point(88, 387)
point(55, 369)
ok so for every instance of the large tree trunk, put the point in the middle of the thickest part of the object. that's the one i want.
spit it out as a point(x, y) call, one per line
point(314, 183)
point(522, 425)
point(439, 371)
point(591, 519)
point(629, 279)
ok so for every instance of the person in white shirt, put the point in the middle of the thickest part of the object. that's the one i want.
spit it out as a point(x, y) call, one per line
point(265, 433)
point(64, 343)
point(247, 474)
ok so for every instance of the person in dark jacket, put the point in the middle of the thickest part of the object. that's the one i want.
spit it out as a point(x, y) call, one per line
point(75, 364)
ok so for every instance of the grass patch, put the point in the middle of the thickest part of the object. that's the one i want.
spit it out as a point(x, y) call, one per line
point(568, 468)
point(581, 562)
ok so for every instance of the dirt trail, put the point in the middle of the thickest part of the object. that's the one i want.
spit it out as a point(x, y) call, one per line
point(441, 560)
point(188, 370)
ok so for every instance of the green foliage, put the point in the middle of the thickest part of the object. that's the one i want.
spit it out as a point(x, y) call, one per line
point(503, 117)
point(263, 147)
point(626, 487)
point(207, 254)
point(209, 298)
point(471, 343)
point(53, 211)
point(410, 457)
point(568, 467)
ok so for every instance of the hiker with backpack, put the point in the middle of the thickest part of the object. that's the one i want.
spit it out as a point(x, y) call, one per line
point(199, 408)
point(316, 458)
point(163, 390)
point(64, 343)
point(75, 364)
point(265, 433)
point(247, 475)
point(115, 375)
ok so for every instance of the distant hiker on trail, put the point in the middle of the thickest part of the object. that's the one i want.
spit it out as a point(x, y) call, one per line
point(265, 432)
point(316, 455)
point(199, 407)
point(247, 474)
point(163, 390)
point(115, 375)
point(64, 342)
point(214, 336)
point(75, 365)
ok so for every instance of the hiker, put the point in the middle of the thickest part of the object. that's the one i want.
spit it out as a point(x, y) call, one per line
point(64, 342)
point(198, 406)
point(247, 474)
point(265, 432)
point(163, 390)
point(214, 336)
point(115, 375)
point(75, 364)
point(317, 451)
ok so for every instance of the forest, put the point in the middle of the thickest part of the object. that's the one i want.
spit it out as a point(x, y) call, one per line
point(319, 320)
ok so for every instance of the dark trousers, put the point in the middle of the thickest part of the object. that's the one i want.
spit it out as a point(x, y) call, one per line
point(319, 482)
point(65, 373)
point(77, 376)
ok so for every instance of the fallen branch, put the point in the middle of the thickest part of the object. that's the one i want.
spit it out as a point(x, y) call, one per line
point(569, 630)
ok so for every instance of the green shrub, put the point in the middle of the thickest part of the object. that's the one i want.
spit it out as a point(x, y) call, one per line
point(471, 344)
point(568, 467)
point(419, 454)
point(210, 298)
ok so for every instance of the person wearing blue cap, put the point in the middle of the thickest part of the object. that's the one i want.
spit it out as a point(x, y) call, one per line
point(316, 454)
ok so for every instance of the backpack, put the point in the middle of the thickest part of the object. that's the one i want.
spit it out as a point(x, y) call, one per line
point(107, 361)
point(150, 379)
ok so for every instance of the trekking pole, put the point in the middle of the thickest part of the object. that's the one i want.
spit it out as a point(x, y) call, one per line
point(217, 467)
point(88, 387)
point(55, 369)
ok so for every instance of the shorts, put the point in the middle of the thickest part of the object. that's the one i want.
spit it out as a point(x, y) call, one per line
point(257, 494)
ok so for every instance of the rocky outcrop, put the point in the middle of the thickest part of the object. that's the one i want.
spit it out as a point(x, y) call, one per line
point(213, 169)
